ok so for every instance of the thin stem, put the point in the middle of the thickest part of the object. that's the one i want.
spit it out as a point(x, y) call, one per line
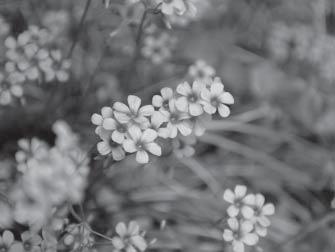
point(138, 43)
point(82, 19)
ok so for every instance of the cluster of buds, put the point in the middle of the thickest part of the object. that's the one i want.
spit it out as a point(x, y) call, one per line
point(173, 113)
point(248, 217)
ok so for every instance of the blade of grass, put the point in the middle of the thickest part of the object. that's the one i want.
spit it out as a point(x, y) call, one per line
point(286, 172)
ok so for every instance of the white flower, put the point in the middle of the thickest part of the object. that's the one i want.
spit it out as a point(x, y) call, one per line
point(133, 113)
point(261, 212)
point(30, 149)
point(190, 97)
point(162, 101)
point(129, 238)
point(56, 67)
point(239, 233)
point(110, 147)
point(201, 70)
point(142, 143)
point(7, 242)
point(236, 199)
point(98, 120)
point(199, 123)
point(215, 99)
point(9, 90)
point(170, 7)
point(176, 121)
point(156, 121)
point(183, 146)
point(118, 130)
point(158, 48)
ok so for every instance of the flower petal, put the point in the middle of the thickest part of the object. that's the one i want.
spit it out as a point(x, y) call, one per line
point(103, 148)
point(139, 242)
point(232, 211)
point(147, 110)
point(250, 239)
point(8, 237)
point(148, 135)
point(106, 112)
point(182, 104)
point(233, 223)
point(195, 109)
point(133, 228)
point(157, 101)
point(118, 137)
point(96, 119)
point(135, 133)
point(184, 89)
point(184, 128)
point(247, 212)
point(238, 246)
point(142, 157)
point(167, 93)
point(129, 146)
point(217, 88)
point(226, 98)
point(269, 209)
point(121, 107)
point(228, 235)
point(134, 103)
point(154, 149)
point(109, 124)
point(224, 110)
point(121, 229)
point(229, 196)
point(240, 191)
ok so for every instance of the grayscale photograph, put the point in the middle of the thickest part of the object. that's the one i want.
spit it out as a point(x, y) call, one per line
point(167, 125)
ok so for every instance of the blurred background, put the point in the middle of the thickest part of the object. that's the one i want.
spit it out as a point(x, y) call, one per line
point(276, 57)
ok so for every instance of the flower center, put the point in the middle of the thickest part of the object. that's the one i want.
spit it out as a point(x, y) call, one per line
point(112, 144)
point(139, 145)
point(192, 98)
point(121, 128)
point(166, 104)
point(215, 102)
point(27, 245)
point(174, 118)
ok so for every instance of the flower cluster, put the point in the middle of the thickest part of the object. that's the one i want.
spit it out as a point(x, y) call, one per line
point(30, 58)
point(51, 176)
point(158, 47)
point(57, 22)
point(300, 42)
point(132, 128)
point(248, 217)
point(29, 242)
point(287, 42)
point(129, 238)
